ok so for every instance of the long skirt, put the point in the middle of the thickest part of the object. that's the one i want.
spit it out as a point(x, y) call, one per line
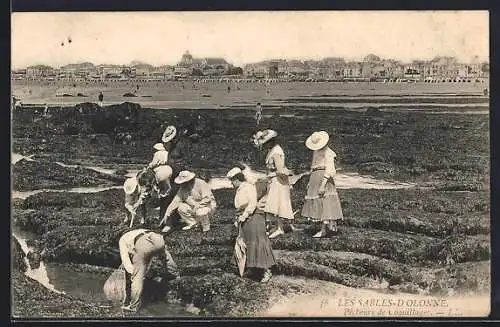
point(259, 252)
point(278, 200)
point(325, 207)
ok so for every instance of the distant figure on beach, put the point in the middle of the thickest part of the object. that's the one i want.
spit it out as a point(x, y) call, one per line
point(18, 103)
point(101, 98)
point(228, 89)
point(258, 114)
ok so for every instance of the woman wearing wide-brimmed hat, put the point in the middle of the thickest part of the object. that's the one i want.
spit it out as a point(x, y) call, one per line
point(168, 135)
point(251, 217)
point(322, 203)
point(278, 202)
point(194, 202)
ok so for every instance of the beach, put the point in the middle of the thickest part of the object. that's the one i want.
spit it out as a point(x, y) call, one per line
point(414, 179)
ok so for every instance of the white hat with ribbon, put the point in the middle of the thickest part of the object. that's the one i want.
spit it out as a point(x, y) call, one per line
point(184, 176)
point(169, 134)
point(317, 140)
point(159, 147)
point(264, 136)
point(130, 185)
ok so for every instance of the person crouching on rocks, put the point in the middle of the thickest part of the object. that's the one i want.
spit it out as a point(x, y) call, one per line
point(132, 196)
point(194, 202)
point(278, 202)
point(138, 191)
point(322, 202)
point(137, 249)
point(259, 254)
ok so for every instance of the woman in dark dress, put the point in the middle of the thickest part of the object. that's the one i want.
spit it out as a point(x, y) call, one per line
point(259, 254)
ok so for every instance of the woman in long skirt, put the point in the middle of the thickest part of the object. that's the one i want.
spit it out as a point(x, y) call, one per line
point(259, 255)
point(278, 201)
point(322, 203)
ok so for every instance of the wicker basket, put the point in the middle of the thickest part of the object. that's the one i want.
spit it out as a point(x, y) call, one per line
point(114, 287)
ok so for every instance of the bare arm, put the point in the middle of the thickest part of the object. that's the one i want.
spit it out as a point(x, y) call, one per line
point(124, 255)
point(173, 205)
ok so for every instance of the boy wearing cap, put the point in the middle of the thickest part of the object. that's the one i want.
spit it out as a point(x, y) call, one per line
point(258, 114)
point(137, 249)
point(194, 202)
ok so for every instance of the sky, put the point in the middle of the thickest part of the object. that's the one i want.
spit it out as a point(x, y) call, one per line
point(160, 38)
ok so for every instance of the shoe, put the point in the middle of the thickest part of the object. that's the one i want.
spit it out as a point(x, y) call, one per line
point(128, 308)
point(267, 276)
point(295, 229)
point(188, 227)
point(276, 233)
point(166, 229)
point(319, 234)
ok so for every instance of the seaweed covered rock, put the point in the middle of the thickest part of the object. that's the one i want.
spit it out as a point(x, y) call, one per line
point(109, 199)
point(115, 118)
point(222, 295)
point(18, 256)
point(32, 175)
point(82, 244)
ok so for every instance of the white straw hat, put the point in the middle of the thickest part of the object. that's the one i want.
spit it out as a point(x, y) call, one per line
point(159, 147)
point(184, 176)
point(317, 140)
point(169, 134)
point(264, 136)
point(233, 172)
point(130, 185)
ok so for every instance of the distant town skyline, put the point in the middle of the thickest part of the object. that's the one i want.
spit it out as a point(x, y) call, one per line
point(160, 38)
point(140, 62)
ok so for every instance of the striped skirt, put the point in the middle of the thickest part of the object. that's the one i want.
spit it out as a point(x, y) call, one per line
point(325, 207)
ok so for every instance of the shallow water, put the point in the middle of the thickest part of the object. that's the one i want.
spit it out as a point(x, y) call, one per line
point(87, 286)
point(172, 95)
point(39, 274)
point(342, 181)
point(25, 194)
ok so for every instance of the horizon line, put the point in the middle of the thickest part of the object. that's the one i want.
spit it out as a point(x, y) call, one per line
point(302, 59)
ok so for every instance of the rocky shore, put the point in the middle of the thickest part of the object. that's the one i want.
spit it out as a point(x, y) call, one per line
point(432, 239)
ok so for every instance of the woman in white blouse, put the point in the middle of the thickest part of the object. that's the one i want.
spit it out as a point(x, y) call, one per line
point(322, 201)
point(278, 203)
point(259, 255)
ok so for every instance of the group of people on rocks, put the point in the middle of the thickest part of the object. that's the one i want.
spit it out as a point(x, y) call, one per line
point(256, 206)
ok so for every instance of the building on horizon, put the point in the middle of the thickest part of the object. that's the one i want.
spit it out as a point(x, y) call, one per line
point(204, 66)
